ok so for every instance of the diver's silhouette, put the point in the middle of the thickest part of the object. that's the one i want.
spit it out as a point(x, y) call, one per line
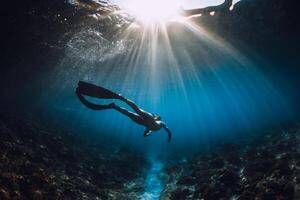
point(223, 7)
point(150, 121)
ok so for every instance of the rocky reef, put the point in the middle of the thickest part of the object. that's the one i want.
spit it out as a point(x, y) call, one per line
point(36, 163)
point(265, 168)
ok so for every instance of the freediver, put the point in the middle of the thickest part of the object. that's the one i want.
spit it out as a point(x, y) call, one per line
point(150, 121)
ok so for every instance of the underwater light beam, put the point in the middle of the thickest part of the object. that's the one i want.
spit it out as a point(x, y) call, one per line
point(148, 11)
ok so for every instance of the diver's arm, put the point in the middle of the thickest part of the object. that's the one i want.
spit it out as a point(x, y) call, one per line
point(225, 6)
point(147, 132)
point(168, 131)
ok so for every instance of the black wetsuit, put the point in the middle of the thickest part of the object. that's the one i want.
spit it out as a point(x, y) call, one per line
point(151, 122)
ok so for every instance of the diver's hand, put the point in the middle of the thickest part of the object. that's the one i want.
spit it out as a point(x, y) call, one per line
point(147, 132)
point(169, 133)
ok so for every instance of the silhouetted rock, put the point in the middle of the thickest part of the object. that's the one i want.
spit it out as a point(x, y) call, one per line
point(266, 170)
point(37, 164)
point(186, 180)
point(216, 163)
point(179, 194)
point(229, 177)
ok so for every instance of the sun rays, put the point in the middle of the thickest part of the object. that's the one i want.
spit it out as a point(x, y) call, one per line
point(193, 78)
point(148, 11)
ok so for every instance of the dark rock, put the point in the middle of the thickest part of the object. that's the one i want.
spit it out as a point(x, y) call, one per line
point(257, 168)
point(16, 195)
point(229, 177)
point(186, 180)
point(281, 168)
point(4, 194)
point(217, 163)
point(287, 190)
point(36, 194)
point(202, 176)
point(211, 192)
point(38, 164)
point(247, 195)
point(180, 194)
point(282, 188)
point(234, 159)
point(263, 172)
point(268, 196)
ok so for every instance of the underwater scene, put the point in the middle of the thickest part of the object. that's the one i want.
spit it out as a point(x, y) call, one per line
point(150, 100)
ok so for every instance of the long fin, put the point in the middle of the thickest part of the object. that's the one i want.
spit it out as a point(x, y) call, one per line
point(96, 91)
point(92, 105)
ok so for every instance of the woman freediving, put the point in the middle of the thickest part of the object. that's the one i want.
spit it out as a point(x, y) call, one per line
point(150, 121)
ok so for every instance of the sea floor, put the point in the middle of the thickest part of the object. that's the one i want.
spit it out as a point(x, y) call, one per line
point(265, 168)
point(39, 163)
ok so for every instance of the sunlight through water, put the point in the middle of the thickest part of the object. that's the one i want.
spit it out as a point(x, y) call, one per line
point(153, 182)
point(201, 86)
point(152, 10)
point(158, 11)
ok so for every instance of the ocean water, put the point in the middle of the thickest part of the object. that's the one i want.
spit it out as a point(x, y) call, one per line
point(153, 181)
point(208, 90)
point(202, 87)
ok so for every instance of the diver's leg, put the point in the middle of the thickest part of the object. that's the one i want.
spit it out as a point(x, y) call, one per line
point(132, 105)
point(139, 111)
point(133, 116)
point(92, 105)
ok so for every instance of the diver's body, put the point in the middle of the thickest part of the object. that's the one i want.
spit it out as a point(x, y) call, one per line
point(146, 119)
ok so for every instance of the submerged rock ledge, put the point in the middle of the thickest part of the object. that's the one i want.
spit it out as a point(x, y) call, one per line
point(267, 168)
point(39, 164)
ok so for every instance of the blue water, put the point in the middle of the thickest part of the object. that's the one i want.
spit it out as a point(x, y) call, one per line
point(204, 89)
point(153, 181)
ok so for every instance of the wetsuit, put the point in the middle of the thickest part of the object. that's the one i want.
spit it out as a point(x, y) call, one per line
point(151, 122)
